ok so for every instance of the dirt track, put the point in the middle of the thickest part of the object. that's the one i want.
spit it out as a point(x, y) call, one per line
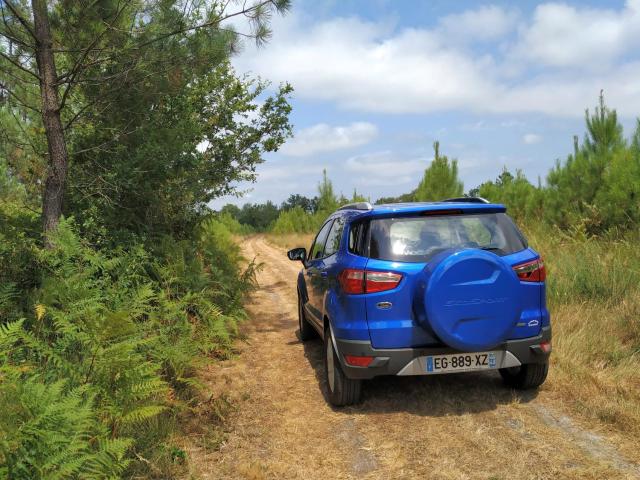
point(465, 426)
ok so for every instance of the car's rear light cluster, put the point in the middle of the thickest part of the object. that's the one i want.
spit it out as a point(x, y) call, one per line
point(531, 271)
point(356, 281)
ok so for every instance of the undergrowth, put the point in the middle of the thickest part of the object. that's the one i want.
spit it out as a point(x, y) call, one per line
point(99, 350)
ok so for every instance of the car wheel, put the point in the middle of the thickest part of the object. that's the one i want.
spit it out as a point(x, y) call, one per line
point(529, 375)
point(341, 390)
point(306, 330)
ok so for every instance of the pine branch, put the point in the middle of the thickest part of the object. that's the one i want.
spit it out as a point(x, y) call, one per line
point(6, 88)
point(15, 77)
point(244, 11)
point(78, 66)
point(17, 64)
point(11, 34)
point(21, 19)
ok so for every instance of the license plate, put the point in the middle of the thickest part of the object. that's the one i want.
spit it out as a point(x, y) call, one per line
point(461, 362)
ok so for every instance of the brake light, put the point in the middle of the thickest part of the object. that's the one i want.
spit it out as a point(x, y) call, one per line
point(531, 271)
point(355, 281)
point(451, 211)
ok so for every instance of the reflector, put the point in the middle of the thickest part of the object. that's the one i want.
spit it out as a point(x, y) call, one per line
point(357, 361)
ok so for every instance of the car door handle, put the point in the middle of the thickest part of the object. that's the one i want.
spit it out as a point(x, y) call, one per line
point(323, 274)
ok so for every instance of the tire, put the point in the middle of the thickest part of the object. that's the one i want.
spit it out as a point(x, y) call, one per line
point(341, 390)
point(527, 376)
point(307, 332)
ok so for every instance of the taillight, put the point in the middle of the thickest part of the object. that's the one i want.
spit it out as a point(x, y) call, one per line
point(531, 271)
point(355, 281)
point(381, 281)
point(351, 280)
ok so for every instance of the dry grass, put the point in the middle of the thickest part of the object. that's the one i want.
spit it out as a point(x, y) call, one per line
point(594, 299)
point(596, 363)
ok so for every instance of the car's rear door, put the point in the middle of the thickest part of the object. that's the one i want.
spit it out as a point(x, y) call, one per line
point(329, 267)
point(313, 274)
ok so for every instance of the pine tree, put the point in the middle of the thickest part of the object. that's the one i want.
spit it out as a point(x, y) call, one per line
point(588, 187)
point(440, 179)
point(327, 200)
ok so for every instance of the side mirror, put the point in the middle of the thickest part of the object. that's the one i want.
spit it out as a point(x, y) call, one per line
point(297, 254)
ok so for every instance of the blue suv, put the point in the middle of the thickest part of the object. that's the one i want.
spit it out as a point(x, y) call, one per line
point(423, 289)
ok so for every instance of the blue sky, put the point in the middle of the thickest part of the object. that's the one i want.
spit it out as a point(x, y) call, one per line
point(497, 83)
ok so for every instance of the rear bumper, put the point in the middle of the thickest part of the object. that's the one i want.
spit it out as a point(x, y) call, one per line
point(394, 361)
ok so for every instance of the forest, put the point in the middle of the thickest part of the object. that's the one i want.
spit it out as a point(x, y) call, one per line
point(119, 125)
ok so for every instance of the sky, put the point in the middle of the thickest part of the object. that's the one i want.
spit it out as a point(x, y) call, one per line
point(498, 84)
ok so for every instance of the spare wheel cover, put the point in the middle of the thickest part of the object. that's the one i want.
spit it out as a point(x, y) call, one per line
point(472, 300)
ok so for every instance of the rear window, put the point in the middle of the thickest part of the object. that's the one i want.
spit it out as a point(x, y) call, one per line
point(417, 239)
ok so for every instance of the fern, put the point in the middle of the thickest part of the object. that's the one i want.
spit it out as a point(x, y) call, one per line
point(90, 360)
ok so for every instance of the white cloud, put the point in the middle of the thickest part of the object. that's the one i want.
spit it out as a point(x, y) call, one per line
point(587, 38)
point(385, 168)
point(531, 138)
point(361, 66)
point(275, 173)
point(325, 138)
point(486, 23)
point(367, 66)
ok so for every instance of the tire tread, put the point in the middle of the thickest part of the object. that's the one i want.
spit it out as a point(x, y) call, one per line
point(348, 391)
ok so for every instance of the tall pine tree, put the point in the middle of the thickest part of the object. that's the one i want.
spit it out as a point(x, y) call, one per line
point(440, 179)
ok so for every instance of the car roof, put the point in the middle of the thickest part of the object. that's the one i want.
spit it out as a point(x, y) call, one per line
point(455, 206)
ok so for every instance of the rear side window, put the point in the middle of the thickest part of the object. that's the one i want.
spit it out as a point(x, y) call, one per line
point(334, 237)
point(354, 234)
point(417, 239)
point(318, 244)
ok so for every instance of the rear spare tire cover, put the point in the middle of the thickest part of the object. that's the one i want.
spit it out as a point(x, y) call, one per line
point(472, 300)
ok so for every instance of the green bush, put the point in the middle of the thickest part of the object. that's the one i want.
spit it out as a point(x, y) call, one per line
point(233, 225)
point(108, 345)
point(296, 220)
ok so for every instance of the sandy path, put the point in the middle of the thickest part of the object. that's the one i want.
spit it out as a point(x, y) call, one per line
point(465, 426)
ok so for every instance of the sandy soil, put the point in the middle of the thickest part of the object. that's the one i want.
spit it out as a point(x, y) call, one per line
point(465, 426)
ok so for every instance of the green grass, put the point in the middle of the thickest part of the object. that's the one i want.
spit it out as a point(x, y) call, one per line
point(594, 298)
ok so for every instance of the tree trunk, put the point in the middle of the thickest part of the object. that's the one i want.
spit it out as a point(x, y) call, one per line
point(58, 156)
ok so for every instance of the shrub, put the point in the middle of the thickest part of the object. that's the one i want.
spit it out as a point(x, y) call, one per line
point(110, 343)
point(297, 220)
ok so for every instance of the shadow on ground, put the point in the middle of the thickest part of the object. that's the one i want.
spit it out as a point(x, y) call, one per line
point(431, 396)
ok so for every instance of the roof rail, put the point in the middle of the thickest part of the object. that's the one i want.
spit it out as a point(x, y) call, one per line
point(467, 200)
point(357, 206)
